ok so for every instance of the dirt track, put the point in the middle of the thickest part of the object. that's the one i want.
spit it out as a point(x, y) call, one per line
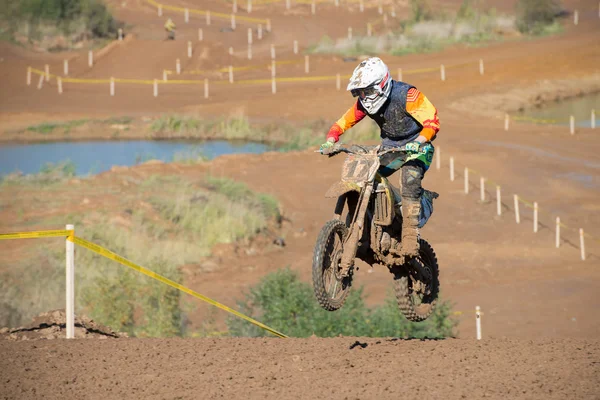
point(300, 369)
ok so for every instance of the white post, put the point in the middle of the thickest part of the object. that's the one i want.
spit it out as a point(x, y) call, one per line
point(349, 33)
point(70, 285)
point(233, 22)
point(159, 10)
point(249, 52)
point(230, 74)
point(337, 3)
point(112, 86)
point(259, 33)
point(593, 120)
point(557, 244)
point(59, 85)
point(295, 47)
point(249, 35)
point(206, 88)
point(535, 217)
point(40, 82)
point(338, 82)
point(581, 244)
point(187, 15)
point(466, 180)
point(234, 9)
point(506, 121)
point(482, 189)
point(478, 321)
point(380, 9)
point(306, 64)
point(288, 4)
point(369, 29)
point(66, 67)
point(313, 7)
point(28, 76)
point(273, 68)
point(200, 34)
point(438, 158)
point(208, 18)
point(272, 51)
point(249, 7)
point(47, 72)
point(576, 17)
point(400, 74)
point(572, 125)
point(452, 169)
point(361, 6)
point(90, 58)
point(481, 68)
point(165, 75)
point(273, 85)
point(517, 215)
point(498, 201)
point(155, 88)
point(443, 72)
point(268, 25)
point(231, 51)
point(178, 66)
point(189, 49)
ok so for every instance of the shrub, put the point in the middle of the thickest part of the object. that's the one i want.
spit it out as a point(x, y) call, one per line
point(534, 16)
point(288, 305)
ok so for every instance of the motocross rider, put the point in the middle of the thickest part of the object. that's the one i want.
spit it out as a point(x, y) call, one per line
point(170, 28)
point(406, 118)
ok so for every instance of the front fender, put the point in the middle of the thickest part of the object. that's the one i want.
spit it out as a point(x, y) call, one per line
point(339, 188)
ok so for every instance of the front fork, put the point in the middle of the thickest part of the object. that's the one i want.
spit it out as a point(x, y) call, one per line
point(355, 230)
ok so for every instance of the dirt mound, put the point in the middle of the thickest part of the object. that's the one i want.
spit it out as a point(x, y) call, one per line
point(52, 325)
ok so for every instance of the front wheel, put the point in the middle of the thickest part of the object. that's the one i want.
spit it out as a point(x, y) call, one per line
point(331, 289)
point(417, 284)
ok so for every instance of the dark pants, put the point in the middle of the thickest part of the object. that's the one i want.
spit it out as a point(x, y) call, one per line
point(412, 173)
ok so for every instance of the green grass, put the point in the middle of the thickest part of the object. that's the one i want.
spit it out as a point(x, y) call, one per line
point(51, 127)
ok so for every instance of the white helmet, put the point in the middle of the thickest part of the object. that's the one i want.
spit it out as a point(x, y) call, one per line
point(371, 83)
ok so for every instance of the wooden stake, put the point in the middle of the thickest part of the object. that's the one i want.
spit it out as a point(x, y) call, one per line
point(306, 64)
point(557, 239)
point(59, 85)
point(482, 189)
point(498, 201)
point(517, 214)
point(206, 88)
point(47, 72)
point(535, 217)
point(582, 244)
point(452, 169)
point(466, 180)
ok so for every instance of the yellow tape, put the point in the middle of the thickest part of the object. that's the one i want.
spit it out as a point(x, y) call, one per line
point(214, 14)
point(539, 121)
point(115, 257)
point(36, 234)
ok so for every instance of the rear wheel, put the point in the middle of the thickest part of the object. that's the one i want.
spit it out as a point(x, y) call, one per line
point(417, 284)
point(331, 289)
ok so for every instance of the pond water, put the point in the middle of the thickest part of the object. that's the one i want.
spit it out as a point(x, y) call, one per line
point(97, 156)
point(558, 113)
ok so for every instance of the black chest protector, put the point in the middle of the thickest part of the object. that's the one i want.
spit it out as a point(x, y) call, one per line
point(397, 125)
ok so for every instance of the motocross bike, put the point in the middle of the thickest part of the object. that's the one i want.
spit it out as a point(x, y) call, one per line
point(371, 229)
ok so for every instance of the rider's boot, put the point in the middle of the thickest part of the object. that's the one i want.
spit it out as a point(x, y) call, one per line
point(411, 209)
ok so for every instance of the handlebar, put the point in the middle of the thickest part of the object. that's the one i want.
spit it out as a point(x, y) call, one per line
point(337, 149)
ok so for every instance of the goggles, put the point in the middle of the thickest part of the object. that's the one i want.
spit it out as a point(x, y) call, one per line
point(372, 91)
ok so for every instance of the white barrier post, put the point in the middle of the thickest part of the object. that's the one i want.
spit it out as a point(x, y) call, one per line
point(47, 72)
point(272, 51)
point(400, 74)
point(268, 25)
point(478, 321)
point(572, 125)
point(90, 58)
point(517, 214)
point(120, 34)
point(234, 7)
point(66, 67)
point(349, 33)
point(582, 244)
point(249, 35)
point(313, 7)
point(288, 4)
point(535, 217)
point(337, 3)
point(295, 47)
point(249, 6)
point(482, 189)
point(112, 86)
point(557, 240)
point(165, 75)
point(189, 49)
point(259, 33)
point(208, 18)
point(593, 119)
point(498, 201)
point(231, 74)
point(155, 88)
point(452, 169)
point(273, 85)
point(178, 66)
point(361, 6)
point(200, 34)
point(231, 51)
point(338, 82)
point(576, 17)
point(70, 285)
point(273, 68)
point(369, 29)
point(233, 25)
point(443, 72)
point(159, 10)
point(506, 121)
point(28, 76)
point(438, 158)
point(466, 180)
point(205, 88)
point(40, 82)
point(306, 64)
point(59, 85)
point(187, 15)
point(481, 68)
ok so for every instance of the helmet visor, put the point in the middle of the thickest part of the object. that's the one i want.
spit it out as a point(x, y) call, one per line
point(365, 92)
